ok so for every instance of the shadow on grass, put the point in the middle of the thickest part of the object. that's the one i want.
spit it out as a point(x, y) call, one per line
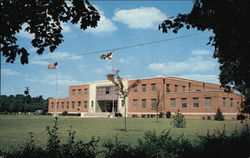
point(128, 130)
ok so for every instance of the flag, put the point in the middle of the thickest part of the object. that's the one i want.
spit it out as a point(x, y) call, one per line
point(52, 66)
point(107, 56)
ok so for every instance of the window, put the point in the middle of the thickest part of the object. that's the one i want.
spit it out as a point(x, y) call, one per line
point(52, 105)
point(184, 102)
point(123, 103)
point(231, 103)
point(62, 105)
point(86, 91)
point(143, 103)
point(224, 102)
point(79, 105)
point(153, 87)
point(208, 102)
point(135, 89)
point(143, 88)
point(107, 90)
point(167, 88)
point(172, 102)
point(183, 88)
point(79, 92)
point(85, 104)
point(195, 102)
point(153, 102)
point(134, 103)
point(92, 103)
point(73, 105)
point(67, 105)
point(57, 105)
point(73, 92)
point(175, 88)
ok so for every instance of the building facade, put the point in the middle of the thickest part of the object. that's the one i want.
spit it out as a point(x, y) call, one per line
point(194, 99)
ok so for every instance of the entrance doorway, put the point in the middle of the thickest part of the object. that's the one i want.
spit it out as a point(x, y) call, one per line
point(107, 106)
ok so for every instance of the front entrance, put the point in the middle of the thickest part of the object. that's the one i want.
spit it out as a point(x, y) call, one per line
point(107, 106)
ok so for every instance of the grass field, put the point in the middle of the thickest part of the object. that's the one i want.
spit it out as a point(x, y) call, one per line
point(15, 128)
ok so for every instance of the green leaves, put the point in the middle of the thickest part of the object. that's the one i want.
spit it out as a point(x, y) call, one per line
point(43, 19)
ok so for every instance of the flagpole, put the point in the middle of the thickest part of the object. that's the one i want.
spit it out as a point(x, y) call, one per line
point(56, 114)
point(113, 65)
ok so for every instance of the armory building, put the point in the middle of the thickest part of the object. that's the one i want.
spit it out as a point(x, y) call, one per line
point(194, 99)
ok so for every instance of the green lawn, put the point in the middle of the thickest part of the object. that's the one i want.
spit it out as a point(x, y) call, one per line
point(15, 128)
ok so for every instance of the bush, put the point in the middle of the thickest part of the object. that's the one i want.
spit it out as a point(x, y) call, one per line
point(143, 116)
point(118, 115)
point(161, 115)
point(241, 117)
point(135, 116)
point(179, 121)
point(209, 117)
point(65, 113)
point(219, 116)
point(168, 114)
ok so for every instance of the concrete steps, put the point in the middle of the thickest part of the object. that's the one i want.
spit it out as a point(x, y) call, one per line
point(96, 114)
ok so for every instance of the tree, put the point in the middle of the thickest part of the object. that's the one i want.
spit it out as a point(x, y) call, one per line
point(43, 19)
point(123, 93)
point(228, 21)
point(156, 106)
point(219, 116)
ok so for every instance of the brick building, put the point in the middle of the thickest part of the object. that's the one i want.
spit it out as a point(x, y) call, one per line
point(194, 99)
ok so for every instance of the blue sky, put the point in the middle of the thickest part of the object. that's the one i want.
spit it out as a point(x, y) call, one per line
point(122, 24)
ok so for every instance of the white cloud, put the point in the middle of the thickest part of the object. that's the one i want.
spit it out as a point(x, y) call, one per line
point(104, 25)
point(50, 79)
point(9, 72)
point(193, 64)
point(41, 60)
point(129, 60)
point(200, 77)
point(105, 69)
point(143, 17)
point(65, 27)
point(200, 52)
point(24, 33)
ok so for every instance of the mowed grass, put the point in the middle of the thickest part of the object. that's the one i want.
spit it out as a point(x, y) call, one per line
point(15, 128)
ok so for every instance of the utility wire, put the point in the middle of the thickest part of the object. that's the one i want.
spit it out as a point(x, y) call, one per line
point(120, 48)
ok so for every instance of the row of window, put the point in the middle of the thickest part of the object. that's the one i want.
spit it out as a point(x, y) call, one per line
point(79, 92)
point(144, 87)
point(67, 105)
point(196, 102)
point(153, 88)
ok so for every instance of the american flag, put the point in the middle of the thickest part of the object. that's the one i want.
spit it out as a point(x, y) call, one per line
point(52, 66)
point(107, 56)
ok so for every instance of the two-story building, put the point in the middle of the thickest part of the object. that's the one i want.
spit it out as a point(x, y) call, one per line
point(194, 99)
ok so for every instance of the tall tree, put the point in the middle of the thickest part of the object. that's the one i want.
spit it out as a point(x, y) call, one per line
point(228, 19)
point(43, 19)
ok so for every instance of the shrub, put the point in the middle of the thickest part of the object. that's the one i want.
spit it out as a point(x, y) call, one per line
point(161, 115)
point(219, 116)
point(118, 115)
point(168, 114)
point(135, 116)
point(241, 117)
point(209, 117)
point(65, 113)
point(179, 121)
point(143, 116)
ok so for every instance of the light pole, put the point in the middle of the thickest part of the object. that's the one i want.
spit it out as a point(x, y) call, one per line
point(26, 92)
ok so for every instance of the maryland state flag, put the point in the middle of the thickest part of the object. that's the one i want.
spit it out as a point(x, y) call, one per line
point(107, 56)
point(52, 66)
